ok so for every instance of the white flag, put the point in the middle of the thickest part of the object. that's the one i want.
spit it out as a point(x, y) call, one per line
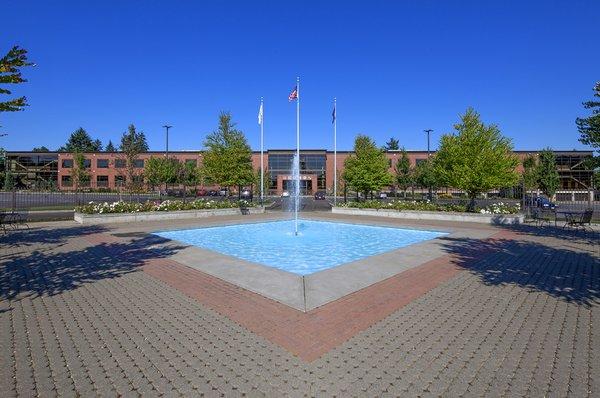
point(260, 114)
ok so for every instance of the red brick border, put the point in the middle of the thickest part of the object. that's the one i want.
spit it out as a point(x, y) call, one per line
point(312, 334)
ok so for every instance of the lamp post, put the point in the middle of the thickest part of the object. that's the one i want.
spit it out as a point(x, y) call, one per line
point(167, 127)
point(428, 131)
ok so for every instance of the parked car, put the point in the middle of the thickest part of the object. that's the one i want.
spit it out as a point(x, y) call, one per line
point(212, 192)
point(540, 201)
point(285, 194)
point(201, 192)
point(246, 194)
point(544, 203)
point(383, 195)
point(223, 192)
point(320, 195)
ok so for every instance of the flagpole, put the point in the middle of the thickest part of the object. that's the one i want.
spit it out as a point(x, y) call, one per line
point(297, 193)
point(334, 152)
point(262, 172)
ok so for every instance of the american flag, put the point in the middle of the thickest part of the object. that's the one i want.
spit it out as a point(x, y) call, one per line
point(294, 94)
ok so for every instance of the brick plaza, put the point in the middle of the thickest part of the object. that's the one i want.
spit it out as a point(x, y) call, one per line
point(90, 310)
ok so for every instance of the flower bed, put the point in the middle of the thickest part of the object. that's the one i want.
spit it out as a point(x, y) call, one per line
point(499, 213)
point(125, 212)
point(167, 205)
point(495, 208)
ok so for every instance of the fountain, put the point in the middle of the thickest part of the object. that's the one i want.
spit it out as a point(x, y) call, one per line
point(296, 189)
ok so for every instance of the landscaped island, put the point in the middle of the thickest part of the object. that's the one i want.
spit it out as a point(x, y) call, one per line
point(497, 213)
point(102, 213)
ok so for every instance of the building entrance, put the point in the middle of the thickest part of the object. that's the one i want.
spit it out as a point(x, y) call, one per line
point(305, 186)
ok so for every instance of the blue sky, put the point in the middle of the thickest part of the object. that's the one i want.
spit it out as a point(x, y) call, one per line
point(396, 68)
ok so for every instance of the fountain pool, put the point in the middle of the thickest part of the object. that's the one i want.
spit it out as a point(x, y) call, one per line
point(319, 245)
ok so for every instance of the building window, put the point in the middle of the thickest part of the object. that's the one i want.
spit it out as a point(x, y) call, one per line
point(87, 163)
point(119, 181)
point(419, 161)
point(120, 163)
point(102, 181)
point(190, 161)
point(138, 163)
point(102, 163)
point(67, 163)
point(66, 181)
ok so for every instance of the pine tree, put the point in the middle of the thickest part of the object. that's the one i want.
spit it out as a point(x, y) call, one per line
point(80, 141)
point(110, 147)
point(10, 73)
point(392, 145)
point(589, 127)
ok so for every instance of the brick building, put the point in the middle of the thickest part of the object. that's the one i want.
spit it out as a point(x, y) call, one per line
point(107, 169)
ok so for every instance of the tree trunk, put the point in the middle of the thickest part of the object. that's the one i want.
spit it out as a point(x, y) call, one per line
point(471, 207)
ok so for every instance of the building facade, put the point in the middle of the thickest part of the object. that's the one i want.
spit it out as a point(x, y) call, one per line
point(107, 170)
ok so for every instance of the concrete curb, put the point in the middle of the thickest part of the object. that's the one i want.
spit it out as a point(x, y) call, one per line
point(493, 219)
point(159, 215)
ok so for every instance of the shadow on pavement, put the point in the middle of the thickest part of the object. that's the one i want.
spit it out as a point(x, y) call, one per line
point(572, 275)
point(41, 235)
point(48, 273)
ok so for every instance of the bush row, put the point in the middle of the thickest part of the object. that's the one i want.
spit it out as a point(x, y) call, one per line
point(167, 205)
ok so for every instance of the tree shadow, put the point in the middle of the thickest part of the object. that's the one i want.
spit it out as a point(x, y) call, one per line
point(571, 275)
point(591, 237)
point(43, 235)
point(49, 273)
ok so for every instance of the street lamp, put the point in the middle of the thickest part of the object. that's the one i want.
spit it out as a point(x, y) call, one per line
point(428, 131)
point(167, 127)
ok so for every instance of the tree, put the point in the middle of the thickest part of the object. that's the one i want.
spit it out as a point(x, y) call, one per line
point(476, 159)
point(10, 73)
point(40, 149)
point(548, 179)
point(133, 140)
point(530, 173)
point(9, 181)
point(110, 147)
point(227, 159)
point(589, 127)
point(404, 173)
point(132, 144)
point(79, 173)
point(367, 169)
point(153, 171)
point(392, 145)
point(189, 174)
point(425, 174)
point(81, 141)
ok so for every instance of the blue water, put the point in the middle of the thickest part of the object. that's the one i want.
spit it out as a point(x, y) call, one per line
point(319, 245)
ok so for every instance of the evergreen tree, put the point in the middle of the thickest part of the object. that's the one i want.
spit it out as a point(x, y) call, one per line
point(367, 169)
point(227, 159)
point(133, 140)
point(548, 179)
point(10, 73)
point(476, 159)
point(392, 145)
point(40, 149)
point(404, 173)
point(589, 127)
point(80, 141)
point(110, 147)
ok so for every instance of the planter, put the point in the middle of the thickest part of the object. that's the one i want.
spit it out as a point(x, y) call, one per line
point(433, 215)
point(110, 218)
